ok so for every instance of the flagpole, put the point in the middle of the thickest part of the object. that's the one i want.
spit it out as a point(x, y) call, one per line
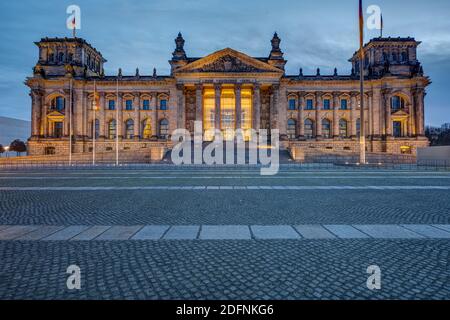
point(94, 105)
point(362, 134)
point(117, 121)
point(70, 122)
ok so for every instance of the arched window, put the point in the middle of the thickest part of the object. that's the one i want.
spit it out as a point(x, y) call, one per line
point(309, 128)
point(292, 129)
point(95, 127)
point(51, 57)
point(112, 129)
point(129, 129)
point(397, 103)
point(326, 128)
point(146, 129)
point(343, 128)
point(164, 128)
point(58, 103)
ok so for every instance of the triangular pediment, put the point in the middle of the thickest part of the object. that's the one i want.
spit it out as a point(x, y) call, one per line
point(55, 115)
point(400, 113)
point(228, 61)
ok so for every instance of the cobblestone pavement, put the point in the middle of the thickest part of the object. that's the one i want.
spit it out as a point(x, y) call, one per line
point(80, 205)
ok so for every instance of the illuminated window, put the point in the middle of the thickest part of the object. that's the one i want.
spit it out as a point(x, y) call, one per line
point(227, 112)
point(208, 113)
point(246, 111)
point(147, 129)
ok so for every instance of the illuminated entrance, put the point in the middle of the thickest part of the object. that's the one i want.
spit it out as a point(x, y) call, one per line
point(227, 113)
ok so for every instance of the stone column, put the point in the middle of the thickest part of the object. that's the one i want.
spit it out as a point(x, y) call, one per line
point(238, 117)
point(282, 112)
point(335, 114)
point(43, 120)
point(119, 124)
point(217, 117)
point(420, 117)
point(256, 107)
point(199, 102)
point(77, 120)
point(353, 114)
point(36, 106)
point(154, 114)
point(137, 116)
point(101, 116)
point(318, 119)
point(181, 114)
point(274, 120)
point(300, 115)
point(377, 113)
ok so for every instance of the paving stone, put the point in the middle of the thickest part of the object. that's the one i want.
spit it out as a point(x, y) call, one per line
point(225, 233)
point(150, 233)
point(16, 231)
point(445, 227)
point(40, 233)
point(346, 232)
point(274, 232)
point(388, 232)
point(91, 233)
point(119, 233)
point(428, 231)
point(182, 233)
point(66, 233)
point(314, 232)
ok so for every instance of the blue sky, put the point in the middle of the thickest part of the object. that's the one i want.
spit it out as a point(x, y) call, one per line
point(140, 33)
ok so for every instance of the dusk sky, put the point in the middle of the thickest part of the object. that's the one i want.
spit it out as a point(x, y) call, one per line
point(140, 33)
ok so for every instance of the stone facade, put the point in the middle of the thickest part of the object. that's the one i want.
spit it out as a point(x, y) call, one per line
point(226, 89)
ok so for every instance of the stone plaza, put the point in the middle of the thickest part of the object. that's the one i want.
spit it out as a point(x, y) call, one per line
point(224, 232)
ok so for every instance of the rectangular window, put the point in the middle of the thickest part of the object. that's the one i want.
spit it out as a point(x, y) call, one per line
point(291, 104)
point(309, 104)
point(111, 105)
point(146, 105)
point(163, 104)
point(326, 104)
point(128, 104)
point(343, 104)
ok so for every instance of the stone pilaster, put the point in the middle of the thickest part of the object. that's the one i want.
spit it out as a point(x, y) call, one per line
point(154, 114)
point(101, 115)
point(335, 114)
point(181, 107)
point(420, 117)
point(78, 113)
point(353, 114)
point(387, 112)
point(36, 106)
point(274, 110)
point(119, 123)
point(256, 107)
point(300, 115)
point(137, 115)
point(318, 118)
point(282, 112)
